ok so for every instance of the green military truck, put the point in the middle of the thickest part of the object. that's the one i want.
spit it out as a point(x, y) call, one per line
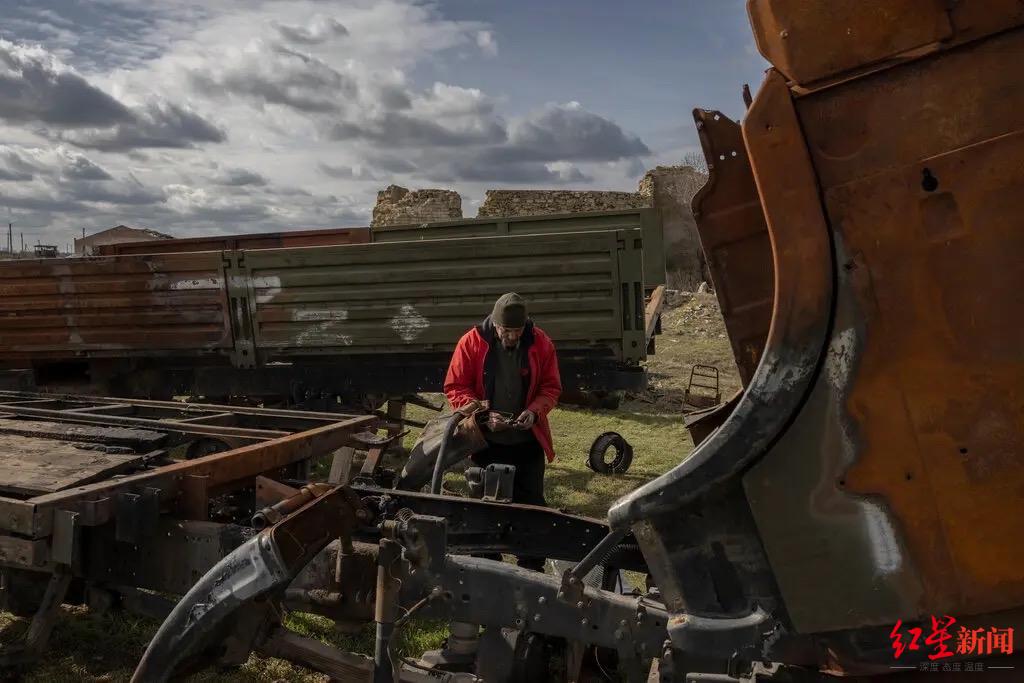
point(353, 319)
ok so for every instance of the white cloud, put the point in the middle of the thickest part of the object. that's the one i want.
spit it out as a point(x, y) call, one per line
point(320, 29)
point(487, 43)
point(242, 115)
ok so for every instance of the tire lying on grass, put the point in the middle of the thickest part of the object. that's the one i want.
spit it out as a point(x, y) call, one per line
point(623, 458)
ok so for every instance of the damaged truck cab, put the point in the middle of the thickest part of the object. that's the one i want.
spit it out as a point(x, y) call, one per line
point(872, 472)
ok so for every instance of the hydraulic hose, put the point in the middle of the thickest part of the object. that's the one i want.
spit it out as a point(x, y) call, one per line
point(449, 429)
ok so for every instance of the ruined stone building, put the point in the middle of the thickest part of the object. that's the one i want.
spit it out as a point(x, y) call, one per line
point(667, 188)
point(398, 206)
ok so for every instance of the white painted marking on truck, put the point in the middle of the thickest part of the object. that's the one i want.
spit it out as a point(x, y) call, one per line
point(266, 282)
point(409, 324)
point(323, 333)
point(197, 283)
point(312, 315)
point(271, 284)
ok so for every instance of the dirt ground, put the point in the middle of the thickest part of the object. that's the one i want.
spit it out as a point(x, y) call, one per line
point(692, 333)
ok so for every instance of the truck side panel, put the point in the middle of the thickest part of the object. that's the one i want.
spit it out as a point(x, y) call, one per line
point(586, 289)
point(648, 220)
point(105, 306)
point(399, 296)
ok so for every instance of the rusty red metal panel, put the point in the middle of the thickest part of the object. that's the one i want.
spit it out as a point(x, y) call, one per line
point(268, 240)
point(99, 305)
point(811, 40)
point(903, 471)
point(735, 239)
point(914, 111)
point(976, 18)
point(223, 470)
point(816, 43)
point(929, 207)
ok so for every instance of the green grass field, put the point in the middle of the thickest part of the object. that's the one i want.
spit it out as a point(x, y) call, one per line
point(89, 647)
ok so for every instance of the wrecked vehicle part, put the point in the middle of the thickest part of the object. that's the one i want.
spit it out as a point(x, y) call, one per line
point(417, 574)
point(174, 552)
point(201, 617)
point(694, 524)
point(732, 230)
point(484, 526)
point(844, 492)
point(480, 591)
point(256, 570)
point(151, 530)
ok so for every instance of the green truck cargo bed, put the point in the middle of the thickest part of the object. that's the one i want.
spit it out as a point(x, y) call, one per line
point(391, 303)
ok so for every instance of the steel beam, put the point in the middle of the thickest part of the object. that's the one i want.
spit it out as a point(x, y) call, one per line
point(220, 469)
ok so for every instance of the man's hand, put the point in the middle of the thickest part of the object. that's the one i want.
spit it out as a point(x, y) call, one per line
point(525, 420)
point(496, 422)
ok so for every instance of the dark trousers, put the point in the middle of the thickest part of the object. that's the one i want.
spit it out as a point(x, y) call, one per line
point(528, 485)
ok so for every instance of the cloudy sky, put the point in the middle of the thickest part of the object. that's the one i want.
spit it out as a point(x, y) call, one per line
point(215, 116)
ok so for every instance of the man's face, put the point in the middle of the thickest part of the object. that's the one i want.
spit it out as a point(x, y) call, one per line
point(509, 336)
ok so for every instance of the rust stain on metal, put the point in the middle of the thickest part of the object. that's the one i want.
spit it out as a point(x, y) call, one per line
point(928, 201)
point(808, 41)
point(735, 238)
point(786, 183)
point(819, 44)
point(112, 304)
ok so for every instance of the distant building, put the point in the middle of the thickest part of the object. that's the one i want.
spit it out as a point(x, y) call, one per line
point(45, 251)
point(121, 233)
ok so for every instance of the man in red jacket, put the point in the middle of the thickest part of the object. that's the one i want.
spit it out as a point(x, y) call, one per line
point(511, 363)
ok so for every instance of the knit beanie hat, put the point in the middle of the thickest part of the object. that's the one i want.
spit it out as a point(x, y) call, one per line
point(509, 310)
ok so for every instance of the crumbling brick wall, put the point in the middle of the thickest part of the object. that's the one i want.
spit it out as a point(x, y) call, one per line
point(667, 188)
point(670, 189)
point(502, 203)
point(399, 206)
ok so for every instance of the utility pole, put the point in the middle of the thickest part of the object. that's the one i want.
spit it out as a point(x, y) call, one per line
point(22, 242)
point(10, 238)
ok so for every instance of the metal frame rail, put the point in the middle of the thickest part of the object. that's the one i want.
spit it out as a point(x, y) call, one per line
point(40, 532)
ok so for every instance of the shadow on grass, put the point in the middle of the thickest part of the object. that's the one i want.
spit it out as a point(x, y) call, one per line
point(587, 493)
point(86, 646)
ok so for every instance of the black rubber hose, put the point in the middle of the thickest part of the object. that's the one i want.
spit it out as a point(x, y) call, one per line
point(449, 429)
point(383, 667)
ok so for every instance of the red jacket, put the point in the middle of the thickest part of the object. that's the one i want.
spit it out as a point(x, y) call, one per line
point(471, 375)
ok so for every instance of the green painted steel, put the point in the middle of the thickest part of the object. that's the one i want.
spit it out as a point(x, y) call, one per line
point(253, 307)
point(404, 296)
point(647, 220)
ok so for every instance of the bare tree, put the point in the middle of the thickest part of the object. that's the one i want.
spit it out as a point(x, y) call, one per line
point(696, 161)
